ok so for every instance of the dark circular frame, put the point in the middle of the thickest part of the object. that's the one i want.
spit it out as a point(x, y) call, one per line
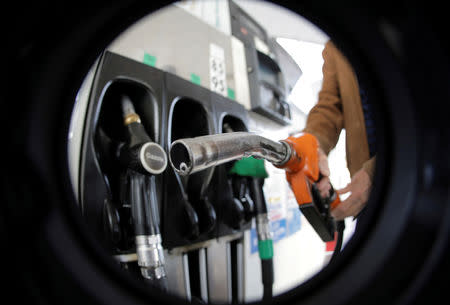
point(396, 256)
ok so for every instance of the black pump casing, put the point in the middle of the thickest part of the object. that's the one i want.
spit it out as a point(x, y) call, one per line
point(104, 132)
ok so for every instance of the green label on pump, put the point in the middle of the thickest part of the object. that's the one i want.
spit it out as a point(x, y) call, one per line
point(265, 248)
point(195, 78)
point(149, 60)
point(231, 94)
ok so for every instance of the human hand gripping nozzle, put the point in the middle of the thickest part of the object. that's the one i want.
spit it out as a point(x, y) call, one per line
point(298, 156)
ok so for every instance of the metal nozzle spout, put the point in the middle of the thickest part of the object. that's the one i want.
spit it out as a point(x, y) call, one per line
point(188, 156)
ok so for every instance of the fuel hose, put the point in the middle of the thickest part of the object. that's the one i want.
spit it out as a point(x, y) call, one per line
point(265, 242)
point(142, 160)
point(255, 171)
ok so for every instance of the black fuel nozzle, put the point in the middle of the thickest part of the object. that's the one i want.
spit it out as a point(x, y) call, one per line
point(241, 193)
point(139, 152)
point(142, 159)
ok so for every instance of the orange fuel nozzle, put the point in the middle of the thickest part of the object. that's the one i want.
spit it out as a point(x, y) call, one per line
point(302, 172)
point(302, 168)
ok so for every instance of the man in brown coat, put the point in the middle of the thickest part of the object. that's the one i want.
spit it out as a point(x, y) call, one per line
point(342, 104)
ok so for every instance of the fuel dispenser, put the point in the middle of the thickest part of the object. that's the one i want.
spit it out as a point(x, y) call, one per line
point(189, 216)
point(235, 210)
point(188, 198)
point(235, 207)
point(121, 164)
point(157, 223)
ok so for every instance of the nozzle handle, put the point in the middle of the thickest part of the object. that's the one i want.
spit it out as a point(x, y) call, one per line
point(140, 152)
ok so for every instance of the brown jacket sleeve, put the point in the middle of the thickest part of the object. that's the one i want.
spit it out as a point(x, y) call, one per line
point(325, 119)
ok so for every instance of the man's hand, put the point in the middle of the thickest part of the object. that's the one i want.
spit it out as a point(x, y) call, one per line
point(359, 189)
point(323, 185)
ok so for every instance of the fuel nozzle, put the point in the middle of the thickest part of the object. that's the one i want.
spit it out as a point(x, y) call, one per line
point(142, 159)
point(140, 153)
point(188, 156)
point(296, 155)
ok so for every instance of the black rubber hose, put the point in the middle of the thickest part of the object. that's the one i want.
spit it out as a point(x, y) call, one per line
point(340, 226)
point(267, 278)
point(267, 272)
point(160, 284)
point(140, 209)
point(151, 200)
point(258, 195)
